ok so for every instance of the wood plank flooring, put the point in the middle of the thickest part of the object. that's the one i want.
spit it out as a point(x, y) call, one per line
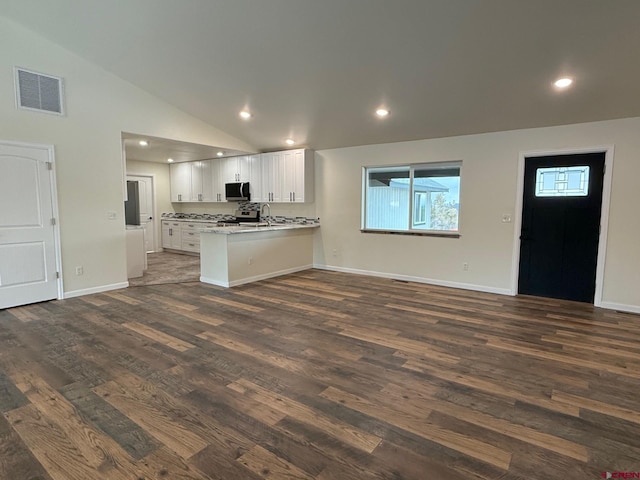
point(167, 267)
point(318, 376)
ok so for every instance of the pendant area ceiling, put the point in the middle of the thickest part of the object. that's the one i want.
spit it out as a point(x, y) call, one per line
point(316, 70)
point(160, 150)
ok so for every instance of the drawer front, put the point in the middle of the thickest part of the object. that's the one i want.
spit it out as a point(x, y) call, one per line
point(190, 246)
point(190, 235)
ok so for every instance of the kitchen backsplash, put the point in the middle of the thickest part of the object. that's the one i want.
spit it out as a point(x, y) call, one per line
point(281, 209)
point(244, 206)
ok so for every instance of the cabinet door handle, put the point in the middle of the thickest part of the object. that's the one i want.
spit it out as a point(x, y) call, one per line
point(170, 232)
point(294, 196)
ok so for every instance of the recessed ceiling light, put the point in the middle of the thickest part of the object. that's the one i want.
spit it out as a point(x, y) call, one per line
point(220, 154)
point(170, 160)
point(245, 114)
point(290, 141)
point(143, 143)
point(382, 112)
point(563, 82)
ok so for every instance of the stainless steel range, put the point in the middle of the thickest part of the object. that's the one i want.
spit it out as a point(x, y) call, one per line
point(242, 216)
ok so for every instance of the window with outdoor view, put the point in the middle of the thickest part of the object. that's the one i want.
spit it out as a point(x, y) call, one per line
point(421, 198)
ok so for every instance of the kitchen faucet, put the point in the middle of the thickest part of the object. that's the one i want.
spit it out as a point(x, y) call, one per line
point(262, 213)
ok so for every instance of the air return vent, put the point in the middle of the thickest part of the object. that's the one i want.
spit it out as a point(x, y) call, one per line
point(35, 91)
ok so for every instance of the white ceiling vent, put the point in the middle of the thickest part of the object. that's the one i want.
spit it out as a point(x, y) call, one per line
point(35, 91)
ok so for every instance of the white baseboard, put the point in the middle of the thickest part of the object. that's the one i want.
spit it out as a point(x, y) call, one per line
point(407, 278)
point(212, 281)
point(100, 289)
point(620, 306)
point(256, 278)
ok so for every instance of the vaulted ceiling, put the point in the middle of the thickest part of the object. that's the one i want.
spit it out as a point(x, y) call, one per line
point(316, 70)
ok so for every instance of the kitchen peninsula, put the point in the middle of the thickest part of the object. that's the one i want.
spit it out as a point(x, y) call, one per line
point(236, 255)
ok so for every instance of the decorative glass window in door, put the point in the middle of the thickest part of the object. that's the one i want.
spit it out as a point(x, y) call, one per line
point(562, 181)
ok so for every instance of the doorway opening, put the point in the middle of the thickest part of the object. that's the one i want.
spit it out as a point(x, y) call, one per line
point(561, 224)
point(144, 197)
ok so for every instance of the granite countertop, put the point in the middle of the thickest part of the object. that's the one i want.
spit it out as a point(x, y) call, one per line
point(192, 220)
point(253, 229)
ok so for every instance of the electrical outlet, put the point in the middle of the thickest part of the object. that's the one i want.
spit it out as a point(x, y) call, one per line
point(506, 218)
point(335, 252)
point(79, 270)
point(465, 266)
point(112, 215)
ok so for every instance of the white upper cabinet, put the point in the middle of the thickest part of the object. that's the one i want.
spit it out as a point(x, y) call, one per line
point(180, 182)
point(278, 177)
point(254, 177)
point(272, 172)
point(217, 181)
point(202, 181)
point(297, 180)
point(236, 169)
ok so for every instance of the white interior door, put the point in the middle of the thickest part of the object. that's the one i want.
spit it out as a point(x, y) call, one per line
point(27, 233)
point(147, 217)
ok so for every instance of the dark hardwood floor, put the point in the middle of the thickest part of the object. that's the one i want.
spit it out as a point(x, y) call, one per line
point(168, 267)
point(317, 375)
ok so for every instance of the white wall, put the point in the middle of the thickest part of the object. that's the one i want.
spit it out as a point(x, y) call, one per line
point(488, 190)
point(88, 148)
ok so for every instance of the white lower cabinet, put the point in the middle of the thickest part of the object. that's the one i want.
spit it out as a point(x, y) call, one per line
point(172, 235)
point(190, 237)
point(183, 235)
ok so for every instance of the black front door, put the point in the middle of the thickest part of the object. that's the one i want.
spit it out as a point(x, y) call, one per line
point(561, 226)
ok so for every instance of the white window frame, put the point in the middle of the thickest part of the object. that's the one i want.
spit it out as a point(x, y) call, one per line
point(409, 230)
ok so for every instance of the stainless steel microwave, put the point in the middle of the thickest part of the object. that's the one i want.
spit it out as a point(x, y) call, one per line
point(236, 192)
